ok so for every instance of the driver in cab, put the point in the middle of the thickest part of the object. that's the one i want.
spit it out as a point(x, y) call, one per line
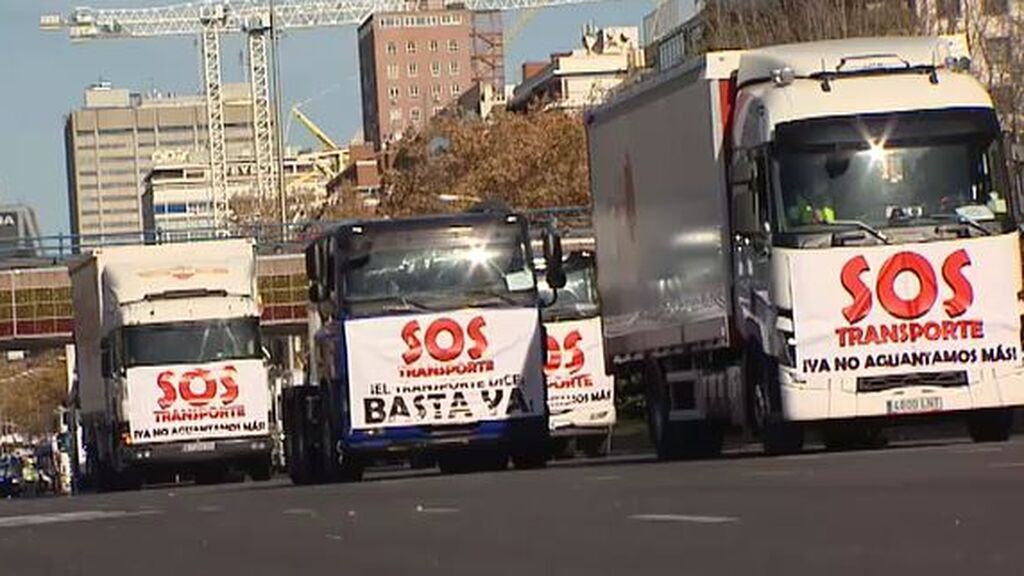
point(813, 206)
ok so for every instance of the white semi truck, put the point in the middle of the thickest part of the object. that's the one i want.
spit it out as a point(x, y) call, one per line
point(171, 372)
point(810, 234)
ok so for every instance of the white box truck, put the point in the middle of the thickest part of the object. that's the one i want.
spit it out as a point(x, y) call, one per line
point(171, 372)
point(814, 233)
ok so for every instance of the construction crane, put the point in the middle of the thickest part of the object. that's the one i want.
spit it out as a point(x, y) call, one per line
point(314, 129)
point(259, 20)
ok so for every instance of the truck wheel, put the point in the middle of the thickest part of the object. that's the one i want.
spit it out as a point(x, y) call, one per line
point(665, 434)
point(339, 466)
point(560, 448)
point(527, 459)
point(777, 435)
point(992, 425)
point(595, 446)
point(261, 470)
point(299, 459)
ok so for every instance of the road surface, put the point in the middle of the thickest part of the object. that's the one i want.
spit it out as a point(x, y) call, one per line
point(944, 508)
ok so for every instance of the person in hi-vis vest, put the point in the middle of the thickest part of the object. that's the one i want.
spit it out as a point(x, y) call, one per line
point(813, 207)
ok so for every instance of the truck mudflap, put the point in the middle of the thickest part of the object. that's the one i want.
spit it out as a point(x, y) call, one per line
point(198, 451)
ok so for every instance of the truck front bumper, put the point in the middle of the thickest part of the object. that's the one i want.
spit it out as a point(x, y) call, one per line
point(418, 438)
point(823, 398)
point(227, 449)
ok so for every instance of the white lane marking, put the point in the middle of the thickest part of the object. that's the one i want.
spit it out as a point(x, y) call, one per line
point(64, 517)
point(1006, 465)
point(770, 473)
point(436, 510)
point(335, 537)
point(977, 450)
point(299, 512)
point(210, 508)
point(684, 518)
point(800, 457)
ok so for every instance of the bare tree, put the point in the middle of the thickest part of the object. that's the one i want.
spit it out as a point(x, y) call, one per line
point(738, 24)
point(525, 160)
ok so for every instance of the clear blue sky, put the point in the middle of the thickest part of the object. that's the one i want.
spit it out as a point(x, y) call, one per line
point(42, 77)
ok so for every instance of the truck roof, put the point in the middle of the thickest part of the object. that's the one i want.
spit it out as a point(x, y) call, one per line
point(433, 221)
point(836, 56)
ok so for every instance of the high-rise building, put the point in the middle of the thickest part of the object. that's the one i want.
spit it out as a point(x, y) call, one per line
point(415, 64)
point(110, 145)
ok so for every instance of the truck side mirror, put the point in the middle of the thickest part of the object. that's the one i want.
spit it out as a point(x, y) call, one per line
point(555, 274)
point(742, 171)
point(745, 213)
point(316, 292)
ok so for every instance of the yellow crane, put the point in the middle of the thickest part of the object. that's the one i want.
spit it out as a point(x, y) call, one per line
point(315, 130)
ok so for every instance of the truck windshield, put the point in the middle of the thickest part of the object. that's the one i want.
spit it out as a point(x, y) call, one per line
point(577, 300)
point(441, 268)
point(893, 170)
point(192, 342)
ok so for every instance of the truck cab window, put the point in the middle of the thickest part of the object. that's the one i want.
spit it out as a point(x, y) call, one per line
point(904, 171)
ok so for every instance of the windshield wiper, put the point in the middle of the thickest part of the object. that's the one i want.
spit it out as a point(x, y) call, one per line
point(395, 303)
point(492, 293)
point(860, 225)
point(965, 220)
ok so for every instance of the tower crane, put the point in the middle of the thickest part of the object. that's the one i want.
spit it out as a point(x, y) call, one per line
point(259, 20)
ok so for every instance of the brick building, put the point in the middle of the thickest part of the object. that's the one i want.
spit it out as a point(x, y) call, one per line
point(415, 64)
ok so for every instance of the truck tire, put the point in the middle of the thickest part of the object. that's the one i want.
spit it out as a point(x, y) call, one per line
point(991, 425)
point(676, 440)
point(338, 466)
point(300, 453)
point(261, 470)
point(666, 436)
point(778, 436)
point(526, 459)
point(595, 446)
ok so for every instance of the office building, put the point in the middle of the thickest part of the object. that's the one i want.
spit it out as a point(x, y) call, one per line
point(111, 142)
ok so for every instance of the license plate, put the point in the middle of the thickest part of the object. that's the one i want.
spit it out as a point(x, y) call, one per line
point(199, 447)
point(914, 405)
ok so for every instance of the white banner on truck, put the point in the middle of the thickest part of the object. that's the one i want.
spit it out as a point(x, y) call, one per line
point(228, 399)
point(455, 367)
point(577, 383)
point(931, 307)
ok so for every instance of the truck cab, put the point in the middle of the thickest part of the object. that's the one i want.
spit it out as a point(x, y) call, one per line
point(878, 252)
point(581, 394)
point(427, 344)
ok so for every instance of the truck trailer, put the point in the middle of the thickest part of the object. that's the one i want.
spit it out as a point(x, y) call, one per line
point(810, 234)
point(427, 346)
point(171, 372)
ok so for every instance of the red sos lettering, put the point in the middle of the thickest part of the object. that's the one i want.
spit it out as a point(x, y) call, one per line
point(927, 293)
point(454, 341)
point(197, 387)
point(574, 355)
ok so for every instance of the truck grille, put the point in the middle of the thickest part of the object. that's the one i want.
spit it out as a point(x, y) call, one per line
point(936, 379)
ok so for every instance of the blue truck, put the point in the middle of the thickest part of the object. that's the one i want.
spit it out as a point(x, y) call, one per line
point(426, 344)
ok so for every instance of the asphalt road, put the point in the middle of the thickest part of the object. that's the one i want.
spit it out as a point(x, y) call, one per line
point(947, 508)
